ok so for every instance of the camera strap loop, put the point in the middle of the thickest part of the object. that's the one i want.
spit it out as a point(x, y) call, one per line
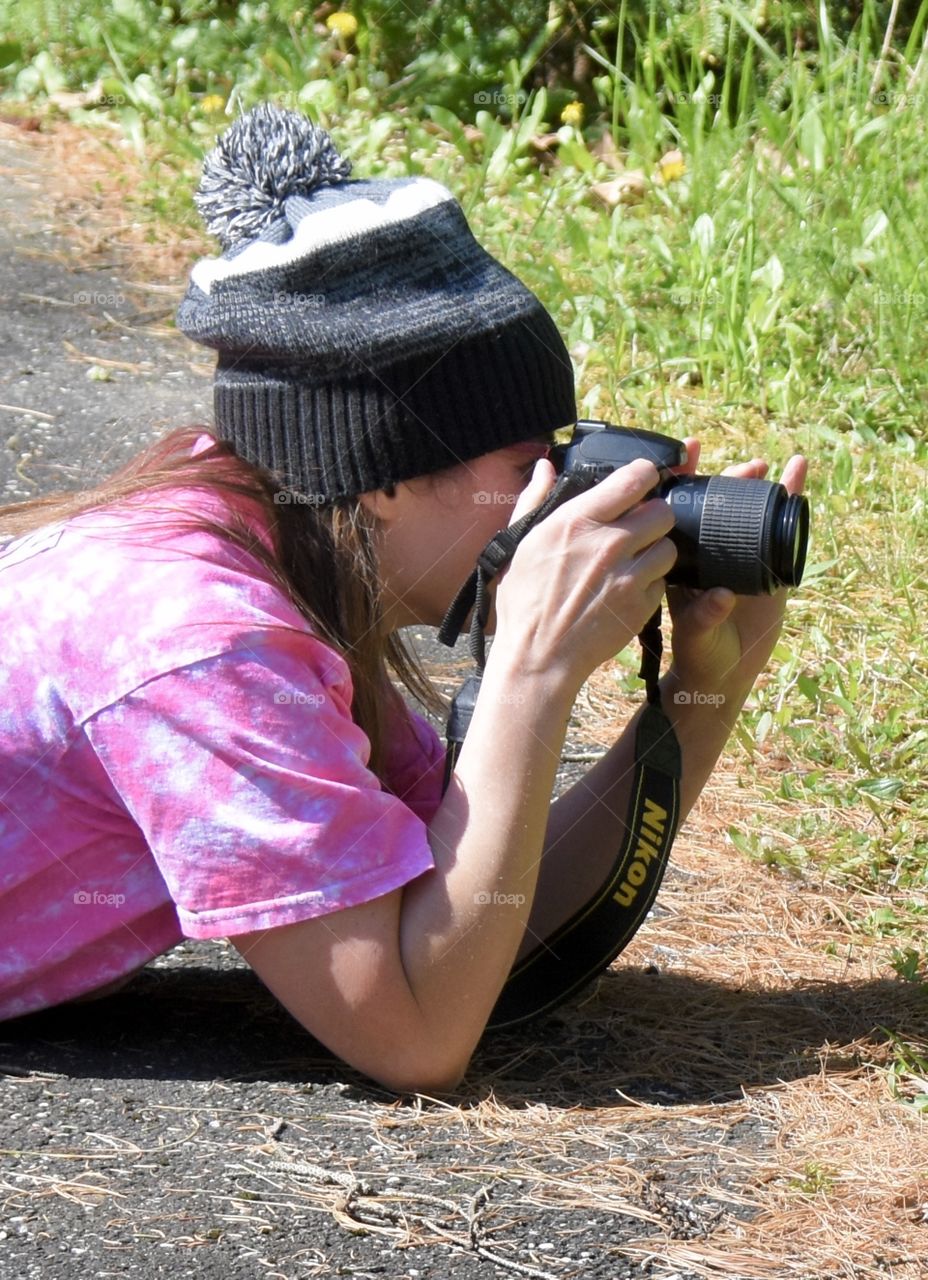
point(652, 646)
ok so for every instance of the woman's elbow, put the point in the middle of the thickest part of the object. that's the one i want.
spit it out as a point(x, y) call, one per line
point(422, 1073)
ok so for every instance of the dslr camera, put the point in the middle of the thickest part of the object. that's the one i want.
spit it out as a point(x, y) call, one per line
point(748, 535)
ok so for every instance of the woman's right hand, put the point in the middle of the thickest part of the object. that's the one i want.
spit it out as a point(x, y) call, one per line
point(587, 578)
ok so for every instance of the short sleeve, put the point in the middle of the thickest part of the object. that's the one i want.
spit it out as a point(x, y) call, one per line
point(415, 764)
point(249, 782)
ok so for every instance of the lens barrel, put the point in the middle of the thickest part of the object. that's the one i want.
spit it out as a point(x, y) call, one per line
point(748, 535)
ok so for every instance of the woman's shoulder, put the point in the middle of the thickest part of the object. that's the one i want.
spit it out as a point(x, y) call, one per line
point(113, 597)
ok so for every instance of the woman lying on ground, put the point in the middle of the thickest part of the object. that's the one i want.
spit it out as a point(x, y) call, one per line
point(199, 736)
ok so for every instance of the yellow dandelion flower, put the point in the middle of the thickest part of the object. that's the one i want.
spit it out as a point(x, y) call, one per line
point(345, 25)
point(213, 103)
point(671, 166)
point(573, 114)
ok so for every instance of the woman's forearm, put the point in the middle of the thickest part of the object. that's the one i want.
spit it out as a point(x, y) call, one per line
point(461, 925)
point(587, 823)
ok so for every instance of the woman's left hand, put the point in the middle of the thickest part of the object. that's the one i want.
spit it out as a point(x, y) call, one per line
point(722, 641)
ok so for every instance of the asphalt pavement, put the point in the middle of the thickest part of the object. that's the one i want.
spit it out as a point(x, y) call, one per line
point(83, 385)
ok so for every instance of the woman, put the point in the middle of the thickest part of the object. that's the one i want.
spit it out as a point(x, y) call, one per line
point(198, 734)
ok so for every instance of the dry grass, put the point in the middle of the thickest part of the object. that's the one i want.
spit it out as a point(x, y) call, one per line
point(94, 180)
point(752, 991)
point(88, 187)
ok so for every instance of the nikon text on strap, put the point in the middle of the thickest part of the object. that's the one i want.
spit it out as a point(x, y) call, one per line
point(595, 934)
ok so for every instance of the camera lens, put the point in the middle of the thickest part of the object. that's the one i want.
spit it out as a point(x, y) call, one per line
point(748, 535)
point(789, 540)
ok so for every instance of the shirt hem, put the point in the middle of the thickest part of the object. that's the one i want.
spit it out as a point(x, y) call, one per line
point(224, 922)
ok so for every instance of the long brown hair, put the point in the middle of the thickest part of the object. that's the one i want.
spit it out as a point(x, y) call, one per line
point(323, 559)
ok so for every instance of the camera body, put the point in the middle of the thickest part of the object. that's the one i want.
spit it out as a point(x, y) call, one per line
point(748, 535)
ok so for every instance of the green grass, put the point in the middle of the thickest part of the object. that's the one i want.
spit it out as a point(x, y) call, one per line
point(773, 297)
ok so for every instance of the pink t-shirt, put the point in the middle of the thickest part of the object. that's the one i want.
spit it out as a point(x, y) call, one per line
point(177, 756)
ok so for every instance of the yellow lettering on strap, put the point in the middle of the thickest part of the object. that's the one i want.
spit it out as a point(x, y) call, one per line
point(654, 818)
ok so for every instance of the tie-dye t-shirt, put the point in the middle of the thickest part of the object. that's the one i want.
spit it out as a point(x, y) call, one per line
point(177, 755)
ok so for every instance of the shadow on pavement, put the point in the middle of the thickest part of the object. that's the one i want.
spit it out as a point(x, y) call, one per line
point(666, 1039)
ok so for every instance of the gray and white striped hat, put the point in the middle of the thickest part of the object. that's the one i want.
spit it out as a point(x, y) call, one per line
point(364, 336)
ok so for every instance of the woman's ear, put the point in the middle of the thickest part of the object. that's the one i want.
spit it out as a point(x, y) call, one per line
point(383, 504)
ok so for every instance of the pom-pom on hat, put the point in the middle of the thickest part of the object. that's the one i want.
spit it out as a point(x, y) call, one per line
point(364, 336)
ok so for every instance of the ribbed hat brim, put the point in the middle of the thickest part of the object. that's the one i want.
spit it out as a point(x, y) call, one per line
point(337, 438)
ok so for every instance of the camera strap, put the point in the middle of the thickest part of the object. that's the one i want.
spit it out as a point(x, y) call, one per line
point(589, 941)
point(584, 945)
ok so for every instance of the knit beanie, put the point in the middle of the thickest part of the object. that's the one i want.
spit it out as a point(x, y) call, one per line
point(364, 336)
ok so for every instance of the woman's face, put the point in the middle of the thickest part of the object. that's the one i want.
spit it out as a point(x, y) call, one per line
point(431, 529)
